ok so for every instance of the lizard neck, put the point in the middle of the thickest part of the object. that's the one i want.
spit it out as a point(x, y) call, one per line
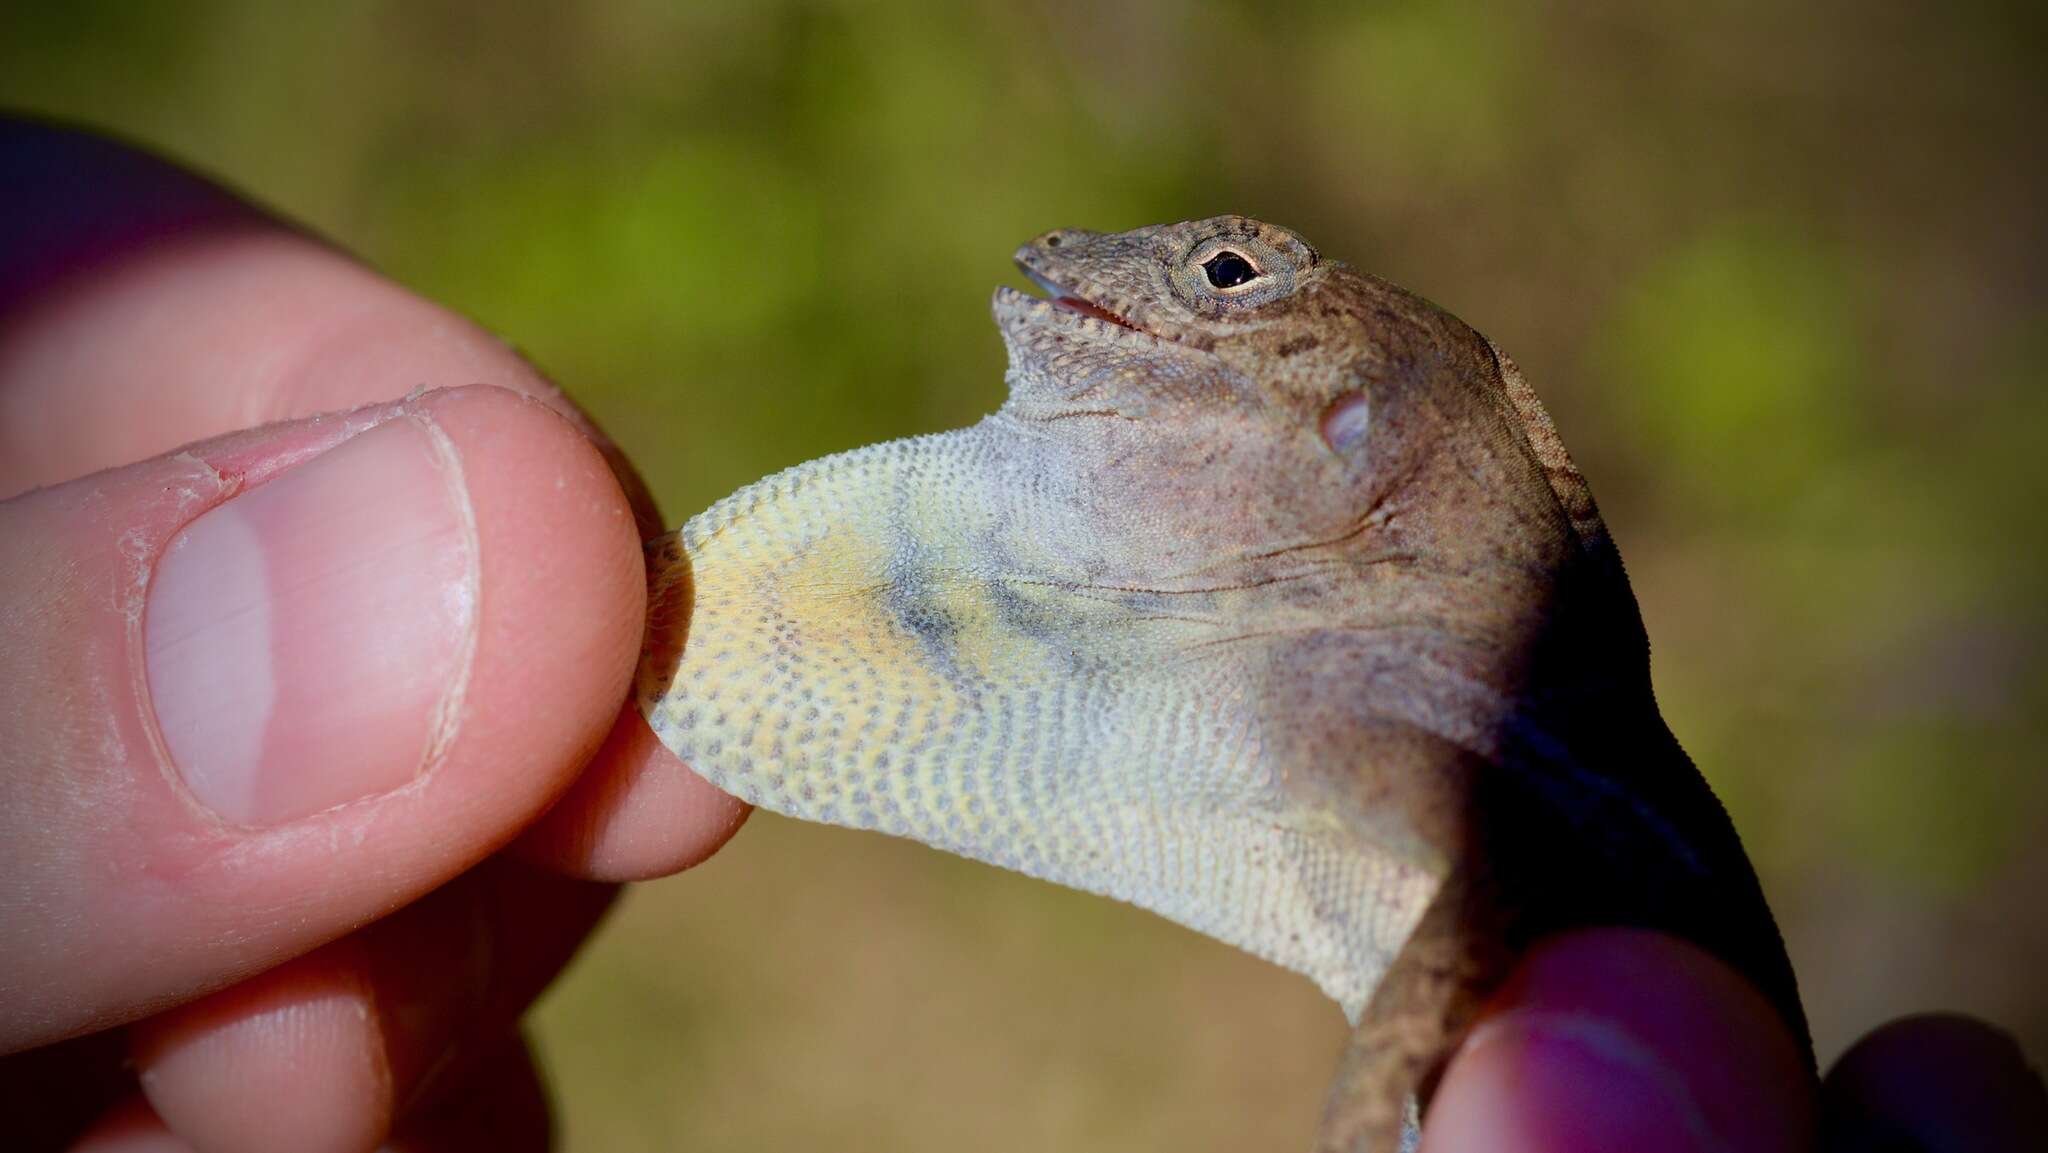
point(1636, 835)
point(1566, 788)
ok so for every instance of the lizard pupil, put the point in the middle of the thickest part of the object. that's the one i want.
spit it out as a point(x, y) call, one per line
point(1228, 270)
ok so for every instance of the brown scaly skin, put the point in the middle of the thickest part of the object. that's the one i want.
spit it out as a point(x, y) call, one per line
point(1586, 811)
point(1304, 471)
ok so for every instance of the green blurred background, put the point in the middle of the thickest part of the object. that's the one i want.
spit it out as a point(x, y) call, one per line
point(1778, 270)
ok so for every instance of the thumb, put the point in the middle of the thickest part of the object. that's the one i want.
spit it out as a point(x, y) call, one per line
point(266, 689)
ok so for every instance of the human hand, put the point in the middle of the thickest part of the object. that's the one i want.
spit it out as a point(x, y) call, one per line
point(1609, 1040)
point(276, 701)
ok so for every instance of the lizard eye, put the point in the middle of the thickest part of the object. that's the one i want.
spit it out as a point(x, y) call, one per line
point(1227, 269)
point(1232, 272)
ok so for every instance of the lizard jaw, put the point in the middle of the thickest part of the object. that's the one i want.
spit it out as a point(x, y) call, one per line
point(1067, 301)
point(1019, 312)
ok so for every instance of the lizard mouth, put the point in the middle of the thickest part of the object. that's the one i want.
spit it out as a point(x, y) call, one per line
point(1066, 300)
point(1077, 305)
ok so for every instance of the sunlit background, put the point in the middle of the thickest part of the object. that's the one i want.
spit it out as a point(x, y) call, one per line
point(1778, 270)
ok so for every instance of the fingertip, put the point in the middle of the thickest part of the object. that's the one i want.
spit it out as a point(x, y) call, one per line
point(558, 537)
point(363, 652)
point(1617, 1039)
point(1938, 1082)
point(330, 1051)
point(636, 812)
point(292, 1059)
point(466, 563)
point(551, 614)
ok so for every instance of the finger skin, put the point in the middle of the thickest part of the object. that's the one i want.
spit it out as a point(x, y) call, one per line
point(142, 308)
point(121, 895)
point(75, 201)
point(166, 311)
point(501, 1107)
point(1937, 1082)
point(643, 813)
point(1617, 1039)
point(295, 1061)
point(323, 1053)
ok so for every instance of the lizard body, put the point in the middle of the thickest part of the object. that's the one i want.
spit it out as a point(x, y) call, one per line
point(1269, 601)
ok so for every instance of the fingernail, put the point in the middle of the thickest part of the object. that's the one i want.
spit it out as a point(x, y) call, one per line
point(306, 640)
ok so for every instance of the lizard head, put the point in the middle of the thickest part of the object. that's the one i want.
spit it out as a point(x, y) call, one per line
point(1224, 399)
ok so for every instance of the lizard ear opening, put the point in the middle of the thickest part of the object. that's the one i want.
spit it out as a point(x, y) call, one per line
point(1346, 422)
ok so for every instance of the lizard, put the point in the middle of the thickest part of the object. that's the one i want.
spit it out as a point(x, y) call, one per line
point(1269, 601)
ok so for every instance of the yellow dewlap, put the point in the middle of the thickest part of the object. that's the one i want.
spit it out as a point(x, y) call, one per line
point(862, 652)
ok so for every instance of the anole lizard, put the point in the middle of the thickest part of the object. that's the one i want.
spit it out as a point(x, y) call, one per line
point(1270, 601)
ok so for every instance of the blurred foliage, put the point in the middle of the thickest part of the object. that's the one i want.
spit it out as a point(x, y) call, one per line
point(1777, 268)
